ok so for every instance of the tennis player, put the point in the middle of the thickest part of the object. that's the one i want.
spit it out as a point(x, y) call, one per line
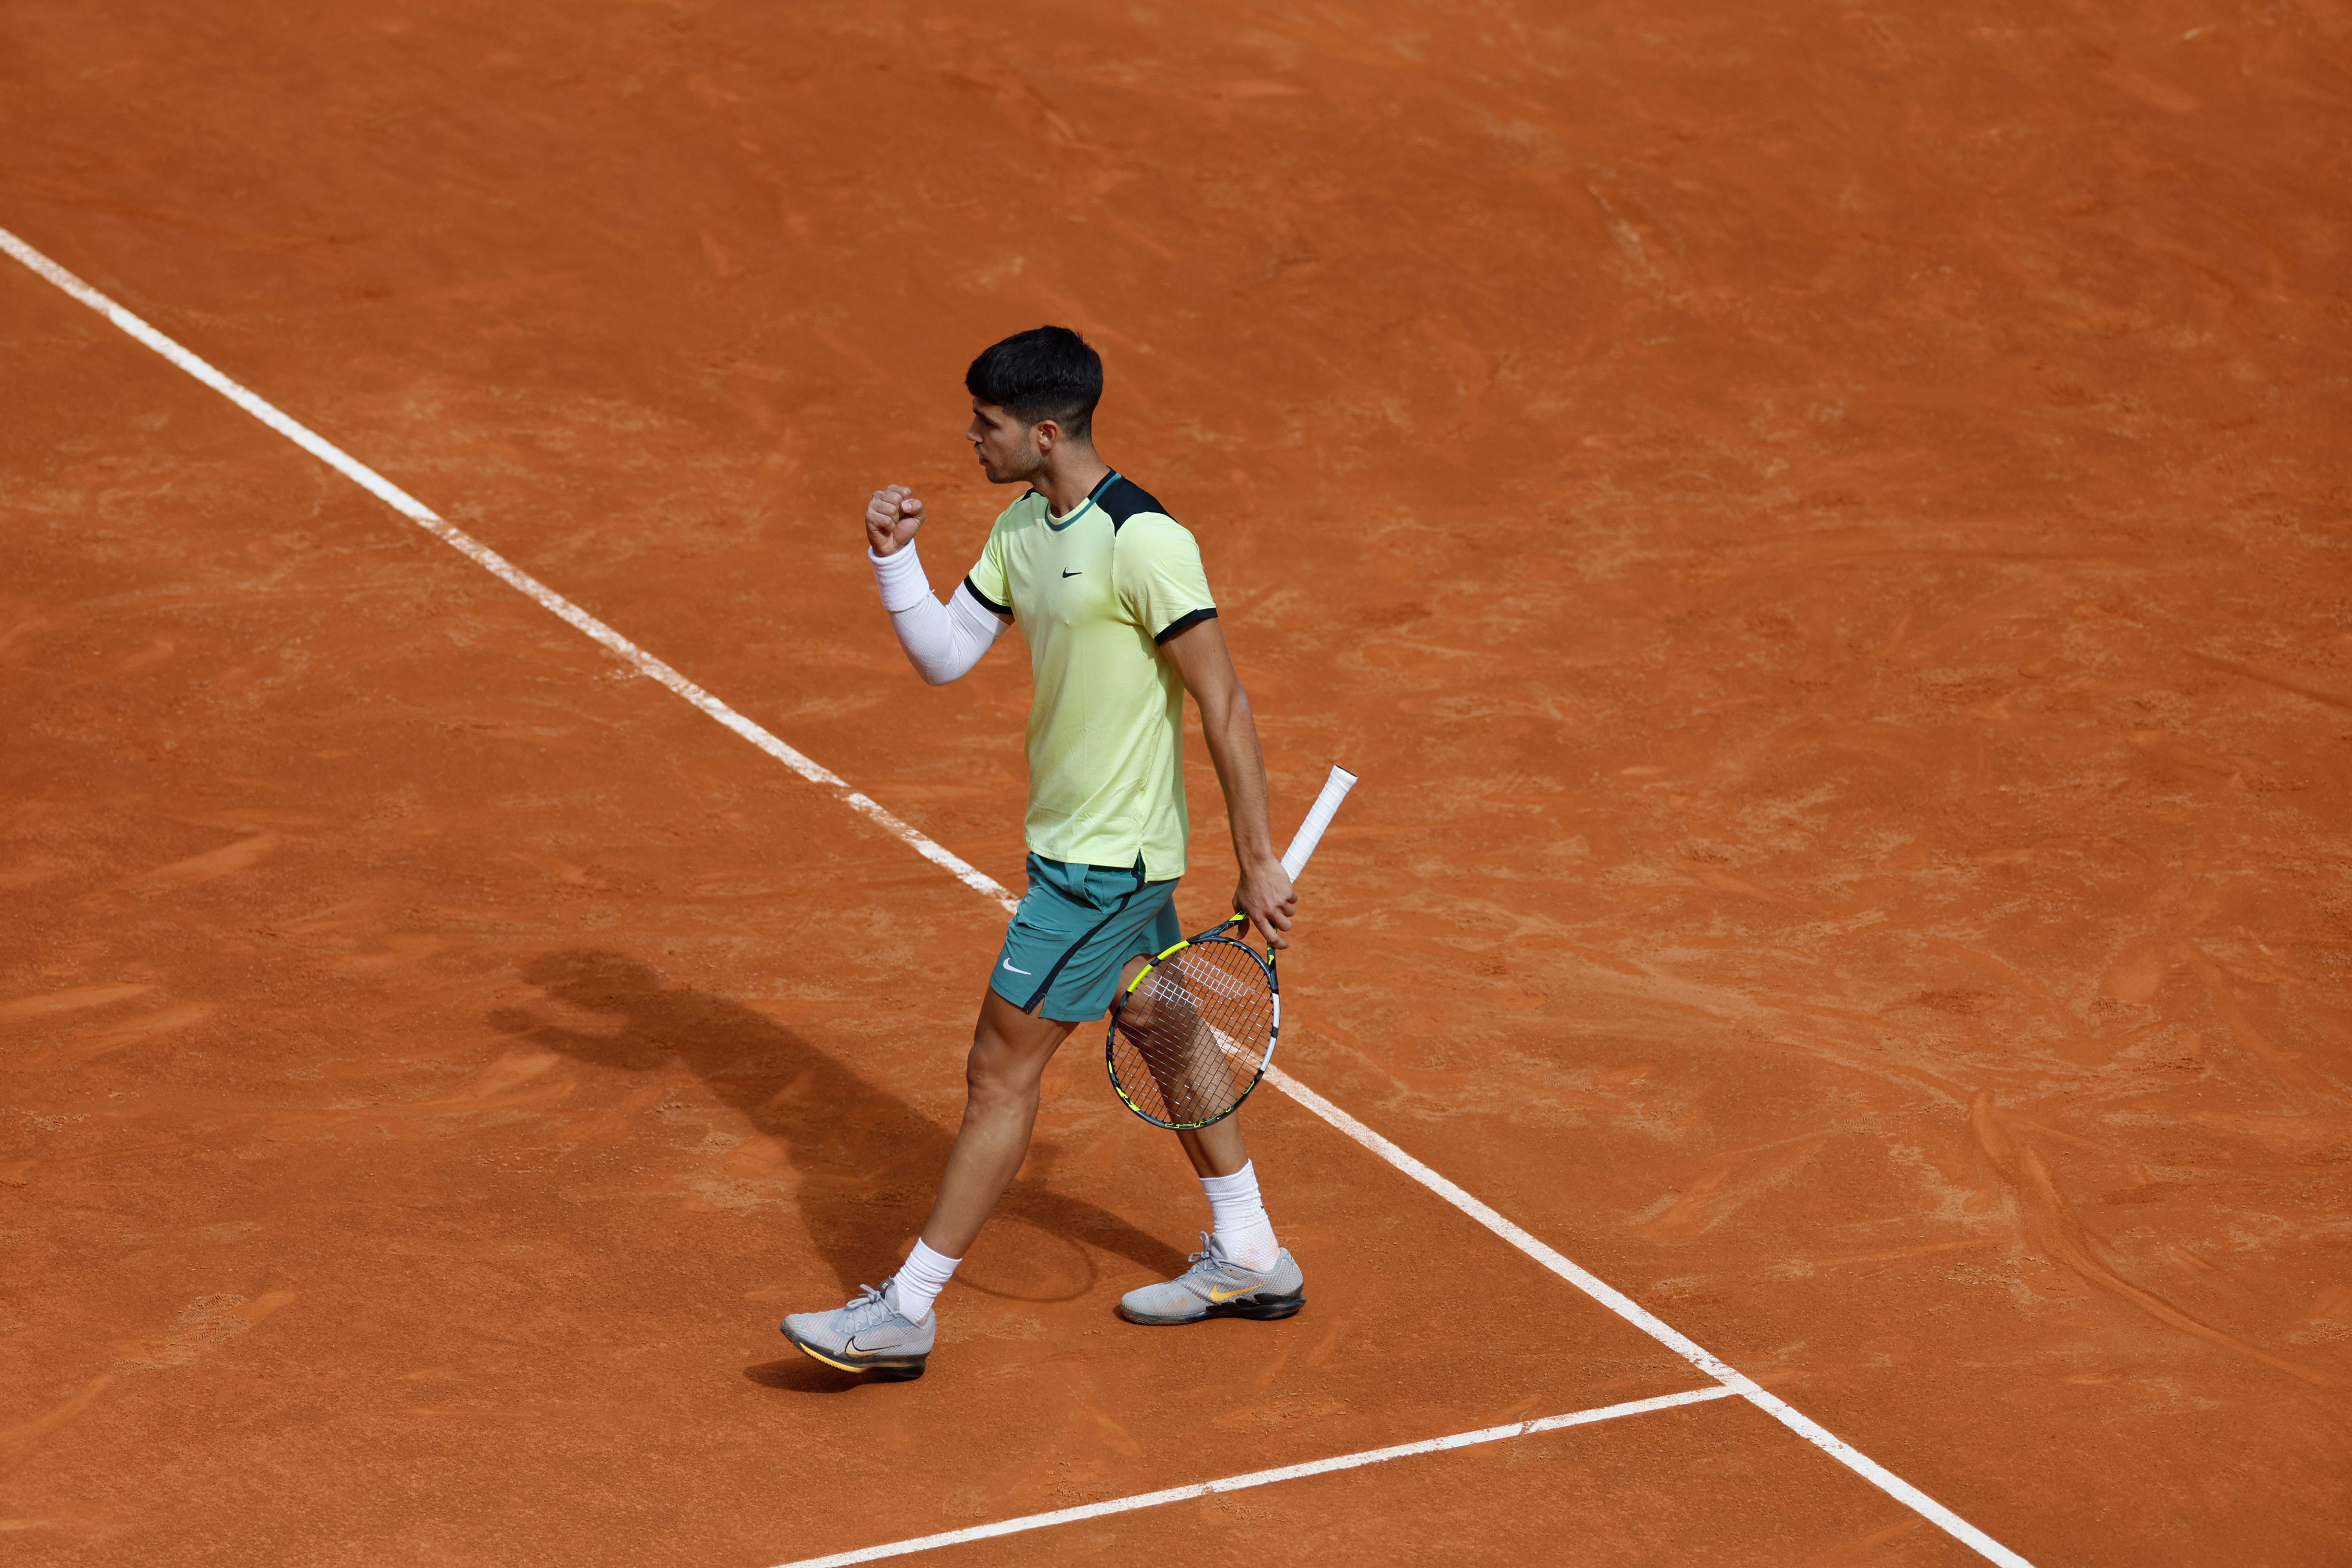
point(1108, 591)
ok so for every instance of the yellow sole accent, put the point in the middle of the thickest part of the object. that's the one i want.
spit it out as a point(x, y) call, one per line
point(838, 1366)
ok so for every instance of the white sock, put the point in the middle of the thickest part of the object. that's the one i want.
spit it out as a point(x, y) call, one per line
point(921, 1278)
point(1237, 1217)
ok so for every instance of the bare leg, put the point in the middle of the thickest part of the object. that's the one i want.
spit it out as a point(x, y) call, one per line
point(1010, 1049)
point(1216, 1150)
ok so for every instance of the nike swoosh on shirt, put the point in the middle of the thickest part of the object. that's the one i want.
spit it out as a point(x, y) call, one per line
point(1073, 573)
point(1008, 963)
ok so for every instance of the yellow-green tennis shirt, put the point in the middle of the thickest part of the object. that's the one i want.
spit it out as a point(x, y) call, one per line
point(1095, 593)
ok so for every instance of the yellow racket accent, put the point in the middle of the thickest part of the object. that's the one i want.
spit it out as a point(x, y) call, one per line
point(1187, 1050)
point(1156, 959)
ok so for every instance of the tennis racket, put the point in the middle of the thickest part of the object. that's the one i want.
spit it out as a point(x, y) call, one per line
point(1191, 1035)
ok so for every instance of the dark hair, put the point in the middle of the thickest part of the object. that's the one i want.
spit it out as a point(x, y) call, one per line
point(1045, 373)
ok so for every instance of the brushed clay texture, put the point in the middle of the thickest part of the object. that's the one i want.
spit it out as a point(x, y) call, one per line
point(1824, 534)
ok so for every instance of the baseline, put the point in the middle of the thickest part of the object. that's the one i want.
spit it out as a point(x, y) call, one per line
point(417, 511)
point(1262, 1478)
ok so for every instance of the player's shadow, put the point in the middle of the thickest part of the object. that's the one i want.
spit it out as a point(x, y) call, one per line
point(865, 1162)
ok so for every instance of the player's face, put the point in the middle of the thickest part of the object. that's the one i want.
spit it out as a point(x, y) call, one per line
point(1007, 448)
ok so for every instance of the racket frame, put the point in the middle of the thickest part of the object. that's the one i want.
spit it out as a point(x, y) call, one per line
point(1274, 1032)
point(1293, 860)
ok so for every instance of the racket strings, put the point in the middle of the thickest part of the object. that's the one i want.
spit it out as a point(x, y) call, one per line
point(1192, 1037)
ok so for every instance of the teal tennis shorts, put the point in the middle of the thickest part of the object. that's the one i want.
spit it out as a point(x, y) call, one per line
point(1075, 930)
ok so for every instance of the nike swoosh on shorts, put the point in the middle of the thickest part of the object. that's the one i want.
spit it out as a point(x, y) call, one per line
point(1008, 963)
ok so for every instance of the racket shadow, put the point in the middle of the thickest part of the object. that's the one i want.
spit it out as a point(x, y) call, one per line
point(865, 1160)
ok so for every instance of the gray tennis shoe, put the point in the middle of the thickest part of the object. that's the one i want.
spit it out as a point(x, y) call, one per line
point(1217, 1287)
point(870, 1334)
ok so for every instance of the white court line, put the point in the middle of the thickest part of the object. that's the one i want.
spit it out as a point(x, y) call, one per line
point(482, 555)
point(1640, 1318)
point(1261, 1478)
point(408, 506)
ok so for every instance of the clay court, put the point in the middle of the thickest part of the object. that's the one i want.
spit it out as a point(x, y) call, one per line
point(1825, 534)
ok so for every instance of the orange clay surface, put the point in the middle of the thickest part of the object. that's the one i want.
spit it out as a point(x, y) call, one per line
point(1825, 533)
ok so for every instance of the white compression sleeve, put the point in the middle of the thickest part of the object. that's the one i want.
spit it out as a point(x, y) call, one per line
point(942, 641)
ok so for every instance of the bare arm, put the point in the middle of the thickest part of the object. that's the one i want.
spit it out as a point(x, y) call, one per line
point(1200, 656)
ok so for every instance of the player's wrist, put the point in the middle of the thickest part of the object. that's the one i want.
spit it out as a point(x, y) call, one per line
point(900, 577)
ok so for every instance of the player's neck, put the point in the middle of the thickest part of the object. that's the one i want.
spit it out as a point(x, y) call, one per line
point(1069, 475)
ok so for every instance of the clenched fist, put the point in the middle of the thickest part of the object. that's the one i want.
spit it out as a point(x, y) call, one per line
point(891, 519)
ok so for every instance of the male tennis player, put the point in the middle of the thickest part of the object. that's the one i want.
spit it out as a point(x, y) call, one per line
point(1109, 592)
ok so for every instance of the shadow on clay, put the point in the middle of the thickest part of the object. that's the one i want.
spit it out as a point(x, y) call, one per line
point(798, 1374)
point(867, 1161)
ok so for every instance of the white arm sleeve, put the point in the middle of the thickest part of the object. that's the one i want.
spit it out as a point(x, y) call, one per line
point(942, 641)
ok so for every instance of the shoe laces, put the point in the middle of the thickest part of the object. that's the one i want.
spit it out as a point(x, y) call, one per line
point(866, 1312)
point(1207, 1261)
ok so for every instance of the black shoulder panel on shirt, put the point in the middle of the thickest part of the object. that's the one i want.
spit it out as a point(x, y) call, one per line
point(986, 603)
point(1124, 498)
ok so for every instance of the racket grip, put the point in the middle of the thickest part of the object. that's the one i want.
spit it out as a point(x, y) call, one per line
point(1310, 832)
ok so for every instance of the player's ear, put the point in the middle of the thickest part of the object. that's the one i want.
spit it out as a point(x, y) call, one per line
point(1045, 432)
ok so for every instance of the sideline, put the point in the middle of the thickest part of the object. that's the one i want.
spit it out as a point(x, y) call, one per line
point(498, 566)
point(1260, 1479)
point(417, 511)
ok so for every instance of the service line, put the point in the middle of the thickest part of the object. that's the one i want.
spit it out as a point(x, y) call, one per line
point(1262, 1479)
point(645, 664)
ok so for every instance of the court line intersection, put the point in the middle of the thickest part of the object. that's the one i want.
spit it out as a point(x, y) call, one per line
point(1731, 1382)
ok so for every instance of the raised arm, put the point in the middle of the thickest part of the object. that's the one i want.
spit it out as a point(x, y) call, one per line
point(941, 641)
point(1200, 656)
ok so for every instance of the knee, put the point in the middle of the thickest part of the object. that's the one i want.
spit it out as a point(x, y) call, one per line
point(992, 1074)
